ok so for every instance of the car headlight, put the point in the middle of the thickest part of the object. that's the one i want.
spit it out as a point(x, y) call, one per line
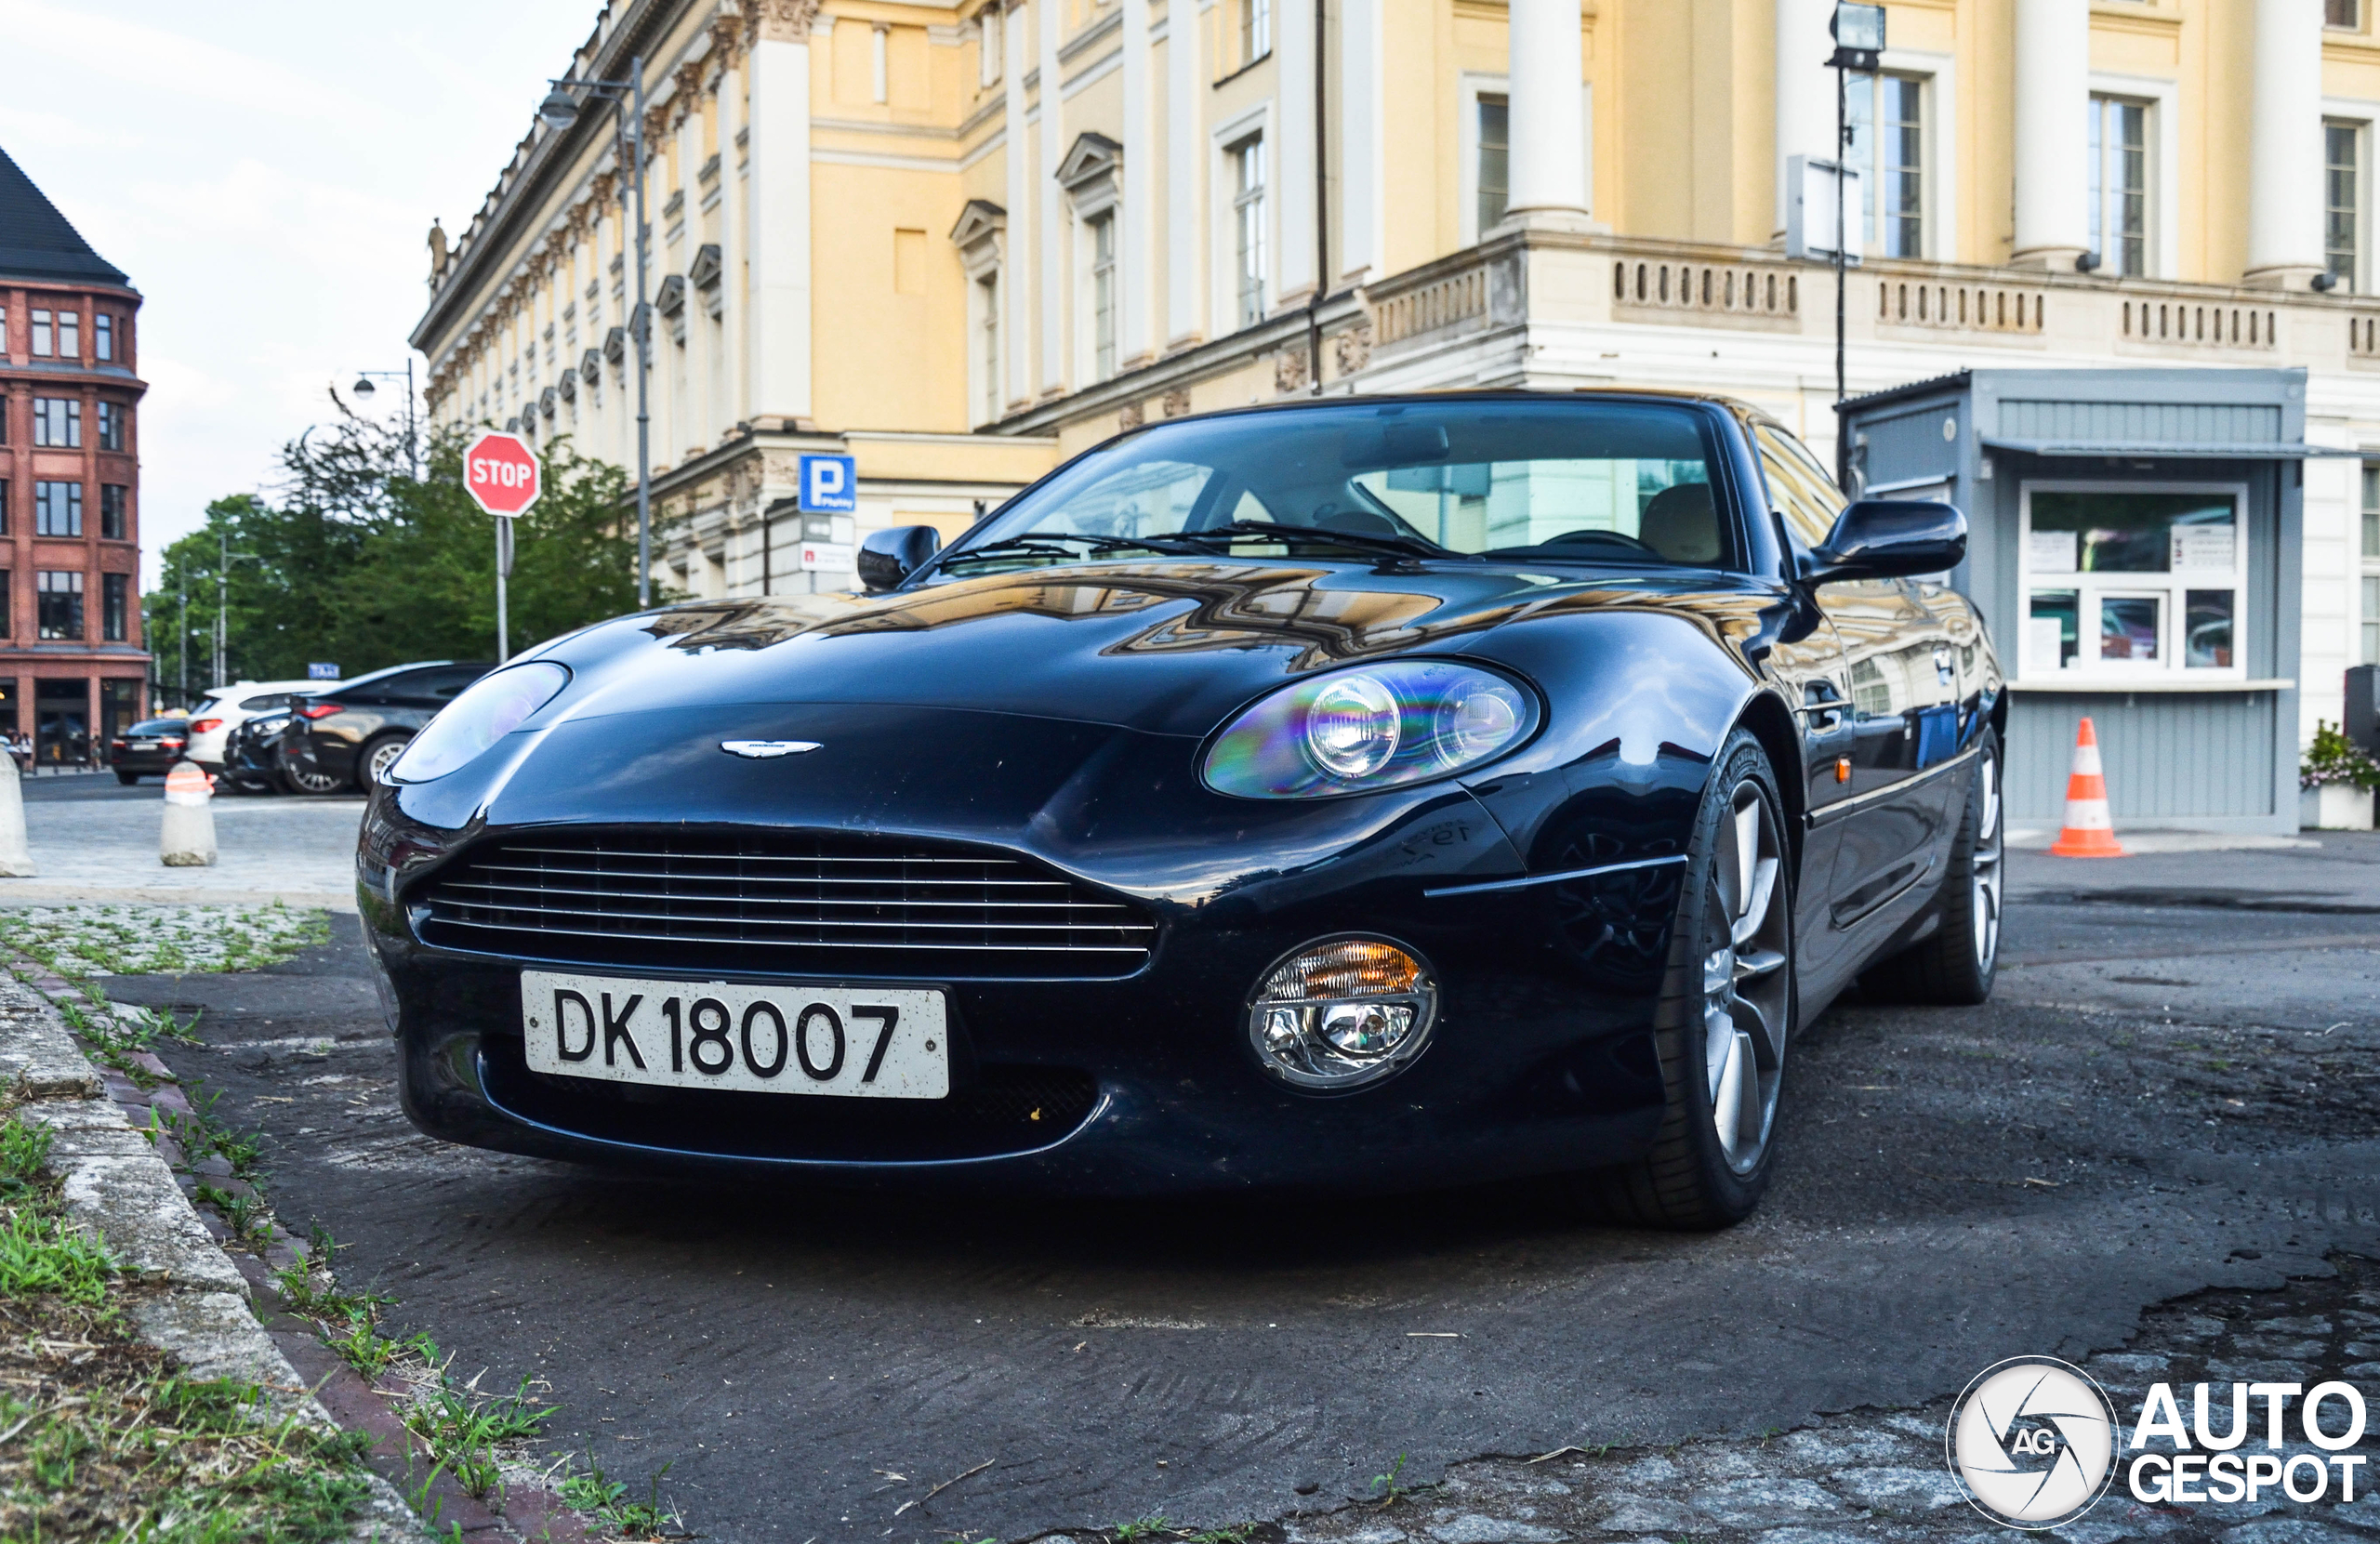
point(491, 709)
point(1397, 721)
point(1341, 1012)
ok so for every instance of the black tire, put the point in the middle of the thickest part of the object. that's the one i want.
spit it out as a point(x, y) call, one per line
point(377, 752)
point(1955, 965)
point(1691, 1178)
point(314, 783)
point(126, 778)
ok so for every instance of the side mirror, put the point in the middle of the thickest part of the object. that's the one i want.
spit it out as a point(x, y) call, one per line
point(1891, 538)
point(890, 556)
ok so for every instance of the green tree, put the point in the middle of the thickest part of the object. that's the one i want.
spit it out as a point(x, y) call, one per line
point(354, 558)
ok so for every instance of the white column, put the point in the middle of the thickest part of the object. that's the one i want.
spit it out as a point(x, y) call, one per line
point(2053, 133)
point(1360, 134)
point(1547, 115)
point(1052, 245)
point(780, 295)
point(1294, 150)
point(2285, 147)
point(1137, 249)
point(733, 105)
point(1805, 87)
point(1185, 165)
point(1017, 249)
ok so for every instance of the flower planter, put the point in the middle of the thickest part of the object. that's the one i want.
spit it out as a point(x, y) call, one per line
point(2335, 807)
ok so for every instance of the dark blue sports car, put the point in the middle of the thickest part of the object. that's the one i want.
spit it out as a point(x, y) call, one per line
point(1380, 791)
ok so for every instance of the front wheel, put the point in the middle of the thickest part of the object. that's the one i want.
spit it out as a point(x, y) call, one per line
point(306, 778)
point(1725, 1013)
point(126, 778)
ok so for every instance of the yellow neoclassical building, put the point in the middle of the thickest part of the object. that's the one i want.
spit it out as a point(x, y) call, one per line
point(959, 242)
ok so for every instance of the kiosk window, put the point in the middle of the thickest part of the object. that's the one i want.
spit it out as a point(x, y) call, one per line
point(2123, 581)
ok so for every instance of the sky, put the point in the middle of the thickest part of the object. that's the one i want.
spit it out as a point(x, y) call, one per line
point(266, 173)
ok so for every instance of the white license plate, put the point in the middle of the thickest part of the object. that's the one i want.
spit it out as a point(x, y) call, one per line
point(876, 1042)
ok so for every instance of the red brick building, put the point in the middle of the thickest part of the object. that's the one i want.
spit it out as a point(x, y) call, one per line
point(72, 670)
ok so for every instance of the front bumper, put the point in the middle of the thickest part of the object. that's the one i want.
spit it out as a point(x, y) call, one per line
point(1542, 1059)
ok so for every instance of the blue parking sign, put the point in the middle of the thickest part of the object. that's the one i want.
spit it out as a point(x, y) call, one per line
point(828, 485)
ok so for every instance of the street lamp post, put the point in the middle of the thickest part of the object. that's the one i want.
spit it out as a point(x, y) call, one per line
point(1858, 45)
point(223, 600)
point(559, 110)
point(364, 388)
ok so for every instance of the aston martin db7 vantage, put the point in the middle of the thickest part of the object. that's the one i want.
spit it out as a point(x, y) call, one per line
point(1361, 792)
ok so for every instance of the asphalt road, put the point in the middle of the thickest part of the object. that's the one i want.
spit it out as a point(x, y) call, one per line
point(2163, 1098)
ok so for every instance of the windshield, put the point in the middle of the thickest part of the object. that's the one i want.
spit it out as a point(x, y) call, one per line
point(1562, 480)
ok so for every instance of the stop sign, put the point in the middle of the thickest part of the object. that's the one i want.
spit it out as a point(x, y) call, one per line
point(500, 473)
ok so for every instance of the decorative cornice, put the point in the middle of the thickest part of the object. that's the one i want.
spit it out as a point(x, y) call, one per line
point(783, 20)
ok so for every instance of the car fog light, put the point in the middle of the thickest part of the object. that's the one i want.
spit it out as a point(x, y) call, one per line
point(1341, 1012)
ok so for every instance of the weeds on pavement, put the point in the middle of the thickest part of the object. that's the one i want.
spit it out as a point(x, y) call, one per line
point(102, 1437)
point(605, 1499)
point(80, 942)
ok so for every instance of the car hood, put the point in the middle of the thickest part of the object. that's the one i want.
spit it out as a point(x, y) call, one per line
point(1162, 647)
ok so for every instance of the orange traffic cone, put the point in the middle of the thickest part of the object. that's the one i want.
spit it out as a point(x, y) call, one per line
point(2089, 833)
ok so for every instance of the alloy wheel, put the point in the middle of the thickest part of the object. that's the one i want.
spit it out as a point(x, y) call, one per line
point(311, 780)
point(1747, 991)
point(1987, 863)
point(383, 756)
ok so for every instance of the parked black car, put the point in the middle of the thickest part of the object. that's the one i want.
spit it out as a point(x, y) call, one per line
point(149, 748)
point(252, 753)
point(1362, 794)
point(355, 729)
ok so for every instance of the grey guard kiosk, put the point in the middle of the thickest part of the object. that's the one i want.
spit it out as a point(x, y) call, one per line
point(2134, 549)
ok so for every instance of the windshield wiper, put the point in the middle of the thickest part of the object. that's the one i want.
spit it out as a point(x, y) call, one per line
point(1363, 541)
point(1041, 544)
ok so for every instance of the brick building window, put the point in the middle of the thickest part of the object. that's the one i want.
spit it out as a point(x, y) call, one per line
point(115, 504)
point(4, 506)
point(116, 606)
point(69, 334)
point(59, 593)
point(44, 338)
point(102, 337)
point(57, 508)
point(112, 417)
point(58, 423)
point(8, 628)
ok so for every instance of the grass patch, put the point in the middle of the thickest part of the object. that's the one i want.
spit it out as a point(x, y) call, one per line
point(605, 1499)
point(105, 1440)
point(81, 942)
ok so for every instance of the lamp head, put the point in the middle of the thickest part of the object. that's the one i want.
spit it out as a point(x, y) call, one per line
point(1858, 27)
point(559, 110)
point(363, 387)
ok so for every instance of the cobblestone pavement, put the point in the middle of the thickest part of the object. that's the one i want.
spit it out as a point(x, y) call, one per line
point(1879, 1477)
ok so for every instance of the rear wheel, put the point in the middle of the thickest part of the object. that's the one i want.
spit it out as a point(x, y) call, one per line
point(372, 767)
point(126, 778)
point(306, 778)
point(1725, 1013)
point(1955, 965)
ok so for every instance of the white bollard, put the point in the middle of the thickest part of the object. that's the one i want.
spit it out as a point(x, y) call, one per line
point(16, 857)
point(188, 840)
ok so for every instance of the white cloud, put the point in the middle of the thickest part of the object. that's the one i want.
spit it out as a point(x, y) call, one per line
point(161, 60)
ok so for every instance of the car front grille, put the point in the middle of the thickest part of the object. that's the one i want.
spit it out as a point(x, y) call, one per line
point(780, 902)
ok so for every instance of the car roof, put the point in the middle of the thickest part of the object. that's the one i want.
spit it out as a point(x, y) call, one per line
point(384, 673)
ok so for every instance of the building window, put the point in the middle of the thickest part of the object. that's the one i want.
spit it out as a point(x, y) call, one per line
point(111, 417)
point(1495, 159)
point(2371, 615)
point(6, 627)
point(1887, 121)
point(1103, 297)
point(59, 594)
point(1255, 30)
point(2342, 200)
point(2123, 582)
point(57, 508)
point(2346, 14)
point(102, 337)
point(69, 334)
point(1248, 226)
point(58, 423)
point(115, 607)
point(987, 295)
point(45, 343)
point(2119, 157)
point(115, 502)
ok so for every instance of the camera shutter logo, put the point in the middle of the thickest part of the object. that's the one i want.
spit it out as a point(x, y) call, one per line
point(2032, 1442)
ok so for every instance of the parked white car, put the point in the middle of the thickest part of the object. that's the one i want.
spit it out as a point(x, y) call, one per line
point(227, 707)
